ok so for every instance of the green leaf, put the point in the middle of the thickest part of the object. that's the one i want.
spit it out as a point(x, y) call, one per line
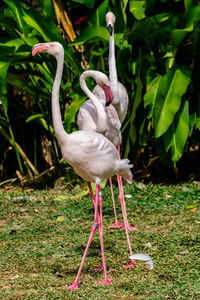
point(88, 3)
point(36, 91)
point(38, 24)
point(132, 133)
point(192, 121)
point(152, 93)
point(140, 31)
point(198, 123)
point(18, 13)
point(177, 35)
point(90, 33)
point(128, 147)
point(137, 8)
point(188, 4)
point(47, 7)
point(71, 111)
point(177, 89)
point(163, 89)
point(98, 17)
point(176, 137)
point(5, 50)
point(4, 64)
point(138, 96)
point(10, 47)
point(30, 41)
point(34, 117)
point(100, 51)
point(49, 32)
point(39, 118)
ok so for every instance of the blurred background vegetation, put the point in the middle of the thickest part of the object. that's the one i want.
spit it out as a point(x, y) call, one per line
point(158, 60)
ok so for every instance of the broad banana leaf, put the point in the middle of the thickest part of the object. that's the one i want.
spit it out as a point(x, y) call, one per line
point(90, 33)
point(176, 136)
point(172, 103)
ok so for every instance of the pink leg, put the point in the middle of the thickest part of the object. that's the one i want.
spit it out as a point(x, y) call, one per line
point(92, 196)
point(74, 286)
point(106, 280)
point(128, 226)
point(121, 199)
point(91, 192)
point(117, 224)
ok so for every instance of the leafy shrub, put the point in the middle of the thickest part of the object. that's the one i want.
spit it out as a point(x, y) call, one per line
point(157, 58)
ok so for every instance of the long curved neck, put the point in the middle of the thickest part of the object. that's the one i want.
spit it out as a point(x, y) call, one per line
point(56, 114)
point(102, 119)
point(112, 70)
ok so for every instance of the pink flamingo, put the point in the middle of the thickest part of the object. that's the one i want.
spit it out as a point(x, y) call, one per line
point(88, 119)
point(92, 155)
point(120, 103)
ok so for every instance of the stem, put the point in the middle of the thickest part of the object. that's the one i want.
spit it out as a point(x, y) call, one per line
point(125, 5)
point(14, 144)
point(19, 150)
point(35, 147)
point(97, 13)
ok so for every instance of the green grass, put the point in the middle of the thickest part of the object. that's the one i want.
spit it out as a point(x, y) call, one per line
point(40, 253)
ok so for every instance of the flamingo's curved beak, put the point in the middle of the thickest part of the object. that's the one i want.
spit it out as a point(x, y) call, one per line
point(108, 94)
point(39, 48)
point(110, 29)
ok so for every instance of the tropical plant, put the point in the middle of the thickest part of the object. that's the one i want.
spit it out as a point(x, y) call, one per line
point(157, 57)
point(157, 46)
point(25, 84)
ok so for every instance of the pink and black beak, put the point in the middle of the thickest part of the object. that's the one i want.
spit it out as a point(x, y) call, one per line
point(110, 29)
point(108, 94)
point(39, 48)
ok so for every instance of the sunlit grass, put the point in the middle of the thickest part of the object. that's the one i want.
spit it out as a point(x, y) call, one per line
point(44, 232)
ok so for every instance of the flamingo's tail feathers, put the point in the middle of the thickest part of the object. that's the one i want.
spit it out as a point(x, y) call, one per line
point(125, 171)
point(143, 257)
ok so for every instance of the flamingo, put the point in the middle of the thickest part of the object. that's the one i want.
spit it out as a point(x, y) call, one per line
point(120, 100)
point(120, 103)
point(89, 118)
point(92, 156)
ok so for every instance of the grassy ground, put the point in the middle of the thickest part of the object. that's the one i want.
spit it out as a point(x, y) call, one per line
point(44, 232)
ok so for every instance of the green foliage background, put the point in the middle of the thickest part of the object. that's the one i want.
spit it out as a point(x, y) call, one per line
point(157, 58)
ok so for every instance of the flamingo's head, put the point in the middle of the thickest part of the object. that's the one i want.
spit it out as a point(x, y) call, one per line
point(110, 20)
point(52, 48)
point(103, 81)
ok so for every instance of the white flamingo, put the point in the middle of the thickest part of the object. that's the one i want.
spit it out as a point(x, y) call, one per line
point(92, 155)
point(120, 100)
point(89, 118)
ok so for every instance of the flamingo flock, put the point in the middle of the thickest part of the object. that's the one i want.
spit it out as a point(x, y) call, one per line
point(94, 150)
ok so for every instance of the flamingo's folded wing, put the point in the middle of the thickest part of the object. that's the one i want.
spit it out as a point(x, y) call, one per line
point(112, 117)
